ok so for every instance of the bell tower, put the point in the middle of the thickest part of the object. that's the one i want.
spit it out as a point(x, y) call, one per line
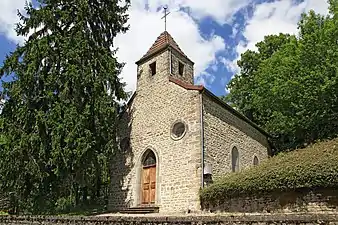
point(164, 59)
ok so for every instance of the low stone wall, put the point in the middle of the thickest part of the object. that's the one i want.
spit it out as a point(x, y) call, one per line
point(273, 219)
point(303, 200)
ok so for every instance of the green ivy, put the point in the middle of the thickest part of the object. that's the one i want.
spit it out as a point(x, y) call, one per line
point(313, 167)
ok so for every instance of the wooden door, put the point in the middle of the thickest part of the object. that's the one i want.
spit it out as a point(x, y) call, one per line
point(148, 185)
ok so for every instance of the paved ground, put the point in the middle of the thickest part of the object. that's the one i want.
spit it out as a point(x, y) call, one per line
point(208, 214)
point(168, 214)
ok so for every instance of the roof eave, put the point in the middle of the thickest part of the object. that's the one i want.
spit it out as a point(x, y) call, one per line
point(235, 112)
point(202, 90)
point(165, 47)
point(186, 86)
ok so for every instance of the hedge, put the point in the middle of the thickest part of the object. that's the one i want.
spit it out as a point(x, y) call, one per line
point(313, 167)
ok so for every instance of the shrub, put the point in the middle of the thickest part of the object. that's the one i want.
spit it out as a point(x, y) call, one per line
point(313, 167)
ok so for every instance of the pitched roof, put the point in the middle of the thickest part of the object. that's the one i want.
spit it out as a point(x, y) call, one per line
point(162, 42)
point(185, 85)
point(202, 89)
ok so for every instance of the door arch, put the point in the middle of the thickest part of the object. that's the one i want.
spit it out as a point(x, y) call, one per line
point(148, 178)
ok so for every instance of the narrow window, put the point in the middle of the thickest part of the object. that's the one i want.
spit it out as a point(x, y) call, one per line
point(171, 64)
point(255, 161)
point(180, 68)
point(234, 160)
point(152, 67)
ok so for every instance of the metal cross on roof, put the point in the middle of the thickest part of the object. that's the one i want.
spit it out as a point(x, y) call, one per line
point(165, 17)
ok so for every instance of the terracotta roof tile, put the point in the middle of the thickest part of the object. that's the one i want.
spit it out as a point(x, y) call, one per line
point(185, 85)
point(201, 88)
point(164, 40)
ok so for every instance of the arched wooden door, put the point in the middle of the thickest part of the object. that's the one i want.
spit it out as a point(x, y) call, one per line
point(148, 178)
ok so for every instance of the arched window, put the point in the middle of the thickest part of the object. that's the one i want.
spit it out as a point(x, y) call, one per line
point(149, 159)
point(255, 161)
point(234, 159)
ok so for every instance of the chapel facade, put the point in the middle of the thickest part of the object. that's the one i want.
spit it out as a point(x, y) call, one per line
point(176, 137)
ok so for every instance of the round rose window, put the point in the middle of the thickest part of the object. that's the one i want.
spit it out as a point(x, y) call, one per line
point(178, 130)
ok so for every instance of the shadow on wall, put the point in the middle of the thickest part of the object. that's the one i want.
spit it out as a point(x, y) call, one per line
point(121, 165)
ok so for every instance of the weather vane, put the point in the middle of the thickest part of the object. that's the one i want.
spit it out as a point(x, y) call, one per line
point(165, 17)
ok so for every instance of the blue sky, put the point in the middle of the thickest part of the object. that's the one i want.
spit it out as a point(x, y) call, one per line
point(212, 33)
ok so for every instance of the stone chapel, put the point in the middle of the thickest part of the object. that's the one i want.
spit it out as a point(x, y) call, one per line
point(176, 137)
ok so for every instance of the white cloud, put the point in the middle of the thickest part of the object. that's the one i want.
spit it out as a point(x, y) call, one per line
point(320, 6)
point(228, 64)
point(146, 26)
point(8, 18)
point(205, 78)
point(275, 17)
point(227, 91)
point(220, 10)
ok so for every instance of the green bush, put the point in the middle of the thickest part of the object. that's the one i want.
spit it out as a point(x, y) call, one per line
point(313, 167)
point(65, 204)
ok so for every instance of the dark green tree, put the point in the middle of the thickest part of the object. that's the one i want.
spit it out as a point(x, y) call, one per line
point(58, 123)
point(290, 85)
point(243, 84)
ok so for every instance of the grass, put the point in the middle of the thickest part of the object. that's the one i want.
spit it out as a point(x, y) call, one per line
point(84, 211)
point(3, 213)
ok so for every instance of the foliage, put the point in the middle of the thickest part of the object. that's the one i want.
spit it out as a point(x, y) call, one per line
point(313, 167)
point(289, 86)
point(2, 213)
point(58, 121)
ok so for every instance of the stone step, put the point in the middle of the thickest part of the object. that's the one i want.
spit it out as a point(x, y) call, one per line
point(140, 210)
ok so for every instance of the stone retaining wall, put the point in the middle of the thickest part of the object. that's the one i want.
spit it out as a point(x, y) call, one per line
point(302, 200)
point(272, 219)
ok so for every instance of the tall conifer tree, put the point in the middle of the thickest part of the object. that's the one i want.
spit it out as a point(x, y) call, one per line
point(58, 122)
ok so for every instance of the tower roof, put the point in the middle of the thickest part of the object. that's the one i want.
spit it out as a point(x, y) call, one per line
point(162, 42)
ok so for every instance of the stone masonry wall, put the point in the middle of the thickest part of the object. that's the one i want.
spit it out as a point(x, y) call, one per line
point(303, 200)
point(222, 132)
point(278, 219)
point(188, 73)
point(157, 104)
